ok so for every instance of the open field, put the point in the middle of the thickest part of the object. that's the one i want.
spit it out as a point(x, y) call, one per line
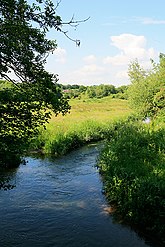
point(87, 121)
point(103, 110)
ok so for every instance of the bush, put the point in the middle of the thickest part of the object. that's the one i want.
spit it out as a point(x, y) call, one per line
point(133, 168)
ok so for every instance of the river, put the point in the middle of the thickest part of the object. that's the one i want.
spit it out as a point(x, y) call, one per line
point(59, 203)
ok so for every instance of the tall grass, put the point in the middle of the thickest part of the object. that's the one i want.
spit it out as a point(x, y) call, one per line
point(133, 168)
point(87, 121)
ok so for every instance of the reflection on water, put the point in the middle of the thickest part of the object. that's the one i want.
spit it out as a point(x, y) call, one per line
point(57, 203)
point(7, 179)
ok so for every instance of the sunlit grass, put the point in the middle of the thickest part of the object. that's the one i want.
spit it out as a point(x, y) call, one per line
point(87, 121)
point(102, 110)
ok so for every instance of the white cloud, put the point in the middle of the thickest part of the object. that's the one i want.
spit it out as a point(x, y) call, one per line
point(87, 75)
point(60, 55)
point(116, 20)
point(150, 21)
point(123, 74)
point(116, 60)
point(130, 47)
point(127, 42)
point(112, 69)
point(88, 72)
point(92, 68)
point(90, 59)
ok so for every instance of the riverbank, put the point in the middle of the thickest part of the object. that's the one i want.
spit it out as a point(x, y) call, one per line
point(132, 164)
point(88, 121)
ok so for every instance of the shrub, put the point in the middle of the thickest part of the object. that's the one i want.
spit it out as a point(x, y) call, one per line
point(133, 168)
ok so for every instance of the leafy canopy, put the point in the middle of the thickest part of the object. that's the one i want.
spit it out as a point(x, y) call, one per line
point(24, 47)
point(147, 89)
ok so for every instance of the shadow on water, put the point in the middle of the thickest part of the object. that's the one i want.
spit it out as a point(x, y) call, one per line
point(59, 202)
point(7, 179)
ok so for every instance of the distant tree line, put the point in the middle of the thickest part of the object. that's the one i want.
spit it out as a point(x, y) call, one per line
point(94, 91)
point(81, 91)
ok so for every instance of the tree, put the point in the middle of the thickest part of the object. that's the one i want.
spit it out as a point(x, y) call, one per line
point(146, 92)
point(24, 48)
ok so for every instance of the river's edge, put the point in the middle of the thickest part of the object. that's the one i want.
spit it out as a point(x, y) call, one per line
point(132, 167)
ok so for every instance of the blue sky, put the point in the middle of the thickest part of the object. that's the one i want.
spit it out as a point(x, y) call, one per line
point(118, 32)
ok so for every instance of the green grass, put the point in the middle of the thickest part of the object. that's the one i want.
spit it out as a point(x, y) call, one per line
point(132, 163)
point(133, 168)
point(100, 110)
point(87, 121)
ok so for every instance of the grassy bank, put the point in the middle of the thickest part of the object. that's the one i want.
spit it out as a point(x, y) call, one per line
point(88, 121)
point(133, 168)
point(132, 163)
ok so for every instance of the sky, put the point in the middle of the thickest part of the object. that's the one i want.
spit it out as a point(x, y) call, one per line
point(117, 33)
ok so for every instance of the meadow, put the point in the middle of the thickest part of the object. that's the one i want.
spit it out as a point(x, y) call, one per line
point(89, 120)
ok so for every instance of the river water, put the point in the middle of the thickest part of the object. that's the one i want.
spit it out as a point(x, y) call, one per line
point(59, 203)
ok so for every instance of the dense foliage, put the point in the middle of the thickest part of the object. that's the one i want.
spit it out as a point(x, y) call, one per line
point(23, 50)
point(147, 90)
point(133, 160)
point(95, 91)
point(133, 168)
point(20, 117)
